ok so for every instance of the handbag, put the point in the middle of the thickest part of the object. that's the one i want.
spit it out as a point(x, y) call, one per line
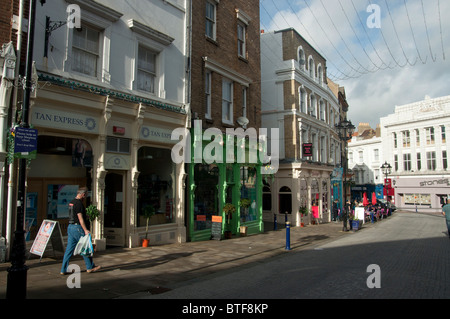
point(84, 247)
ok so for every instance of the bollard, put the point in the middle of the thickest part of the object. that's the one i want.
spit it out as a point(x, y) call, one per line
point(288, 236)
point(274, 221)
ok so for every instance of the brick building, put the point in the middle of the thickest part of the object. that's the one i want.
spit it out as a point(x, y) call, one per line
point(299, 100)
point(225, 91)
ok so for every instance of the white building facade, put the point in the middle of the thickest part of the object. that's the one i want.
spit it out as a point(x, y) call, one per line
point(364, 160)
point(296, 100)
point(110, 91)
point(416, 144)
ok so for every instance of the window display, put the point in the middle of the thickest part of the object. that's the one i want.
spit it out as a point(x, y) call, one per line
point(155, 185)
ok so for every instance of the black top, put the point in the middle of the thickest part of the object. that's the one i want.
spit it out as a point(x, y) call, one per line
point(75, 207)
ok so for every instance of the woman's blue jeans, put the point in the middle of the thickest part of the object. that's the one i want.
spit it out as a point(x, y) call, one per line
point(74, 233)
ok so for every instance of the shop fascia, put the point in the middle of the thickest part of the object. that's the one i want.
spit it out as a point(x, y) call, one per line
point(212, 152)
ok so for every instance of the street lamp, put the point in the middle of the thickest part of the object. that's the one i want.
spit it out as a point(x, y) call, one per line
point(345, 130)
point(386, 168)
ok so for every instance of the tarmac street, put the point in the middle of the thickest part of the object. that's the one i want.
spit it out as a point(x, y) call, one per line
point(412, 251)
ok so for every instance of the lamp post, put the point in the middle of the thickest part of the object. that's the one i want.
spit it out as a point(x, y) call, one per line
point(17, 273)
point(386, 168)
point(345, 130)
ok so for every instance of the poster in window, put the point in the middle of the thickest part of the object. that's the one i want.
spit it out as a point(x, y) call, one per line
point(81, 153)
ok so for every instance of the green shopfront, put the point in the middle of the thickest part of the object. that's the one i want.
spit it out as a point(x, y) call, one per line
point(213, 184)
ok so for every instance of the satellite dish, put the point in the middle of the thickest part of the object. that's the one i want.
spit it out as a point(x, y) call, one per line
point(242, 121)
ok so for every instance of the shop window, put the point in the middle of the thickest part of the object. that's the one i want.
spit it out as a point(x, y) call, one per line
point(267, 197)
point(155, 185)
point(206, 195)
point(248, 194)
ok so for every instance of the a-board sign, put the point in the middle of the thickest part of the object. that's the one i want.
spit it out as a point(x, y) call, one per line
point(49, 230)
point(216, 228)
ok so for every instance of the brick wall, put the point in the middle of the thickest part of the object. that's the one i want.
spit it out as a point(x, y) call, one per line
point(224, 51)
point(6, 13)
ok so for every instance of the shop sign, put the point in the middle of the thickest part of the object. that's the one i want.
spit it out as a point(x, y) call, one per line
point(25, 143)
point(49, 230)
point(156, 134)
point(307, 149)
point(116, 161)
point(63, 120)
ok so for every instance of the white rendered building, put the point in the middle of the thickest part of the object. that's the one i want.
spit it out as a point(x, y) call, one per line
point(110, 91)
point(416, 144)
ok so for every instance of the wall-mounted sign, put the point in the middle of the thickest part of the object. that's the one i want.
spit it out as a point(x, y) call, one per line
point(63, 120)
point(118, 130)
point(117, 161)
point(156, 134)
point(25, 143)
point(307, 149)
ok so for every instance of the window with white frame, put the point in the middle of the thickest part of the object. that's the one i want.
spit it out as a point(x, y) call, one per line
point(430, 135)
point(431, 161)
point(320, 74)
point(312, 105)
point(417, 137)
point(301, 58)
point(146, 70)
point(227, 101)
point(312, 71)
point(444, 160)
point(406, 139)
point(443, 133)
point(241, 36)
point(419, 161)
point(244, 102)
point(407, 162)
point(210, 23)
point(302, 97)
point(376, 155)
point(322, 110)
point(208, 94)
point(395, 139)
point(396, 163)
point(85, 50)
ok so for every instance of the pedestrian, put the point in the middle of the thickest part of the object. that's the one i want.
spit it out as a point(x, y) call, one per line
point(77, 228)
point(348, 208)
point(335, 210)
point(446, 213)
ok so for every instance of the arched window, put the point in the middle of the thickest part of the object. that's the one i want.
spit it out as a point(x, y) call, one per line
point(320, 74)
point(285, 200)
point(301, 58)
point(312, 105)
point(302, 100)
point(311, 66)
point(322, 110)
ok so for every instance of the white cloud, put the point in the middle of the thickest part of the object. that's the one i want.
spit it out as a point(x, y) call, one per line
point(415, 57)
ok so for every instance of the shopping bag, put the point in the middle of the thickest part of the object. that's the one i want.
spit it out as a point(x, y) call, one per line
point(84, 247)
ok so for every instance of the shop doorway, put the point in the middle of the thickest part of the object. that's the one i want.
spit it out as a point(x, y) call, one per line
point(114, 198)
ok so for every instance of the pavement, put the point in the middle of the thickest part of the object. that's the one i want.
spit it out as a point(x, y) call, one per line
point(128, 272)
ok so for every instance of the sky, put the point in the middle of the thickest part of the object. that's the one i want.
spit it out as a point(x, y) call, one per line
point(383, 52)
